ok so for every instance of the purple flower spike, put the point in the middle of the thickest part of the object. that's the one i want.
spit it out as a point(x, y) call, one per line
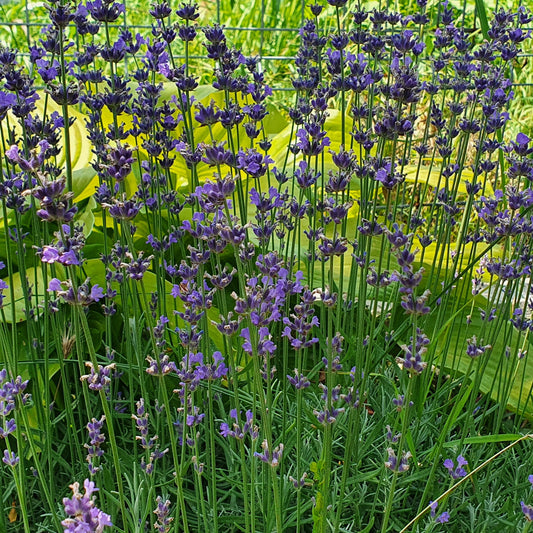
point(163, 522)
point(443, 518)
point(99, 378)
point(520, 147)
point(85, 515)
point(433, 506)
point(237, 432)
point(49, 255)
point(522, 139)
point(392, 462)
point(456, 472)
point(528, 511)
point(97, 293)
point(54, 285)
point(97, 438)
point(12, 153)
point(10, 459)
point(273, 458)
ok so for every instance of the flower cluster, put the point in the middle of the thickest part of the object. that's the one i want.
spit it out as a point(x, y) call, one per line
point(239, 432)
point(99, 378)
point(97, 438)
point(272, 458)
point(458, 471)
point(10, 390)
point(83, 513)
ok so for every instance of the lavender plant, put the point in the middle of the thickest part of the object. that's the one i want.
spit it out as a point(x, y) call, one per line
point(317, 325)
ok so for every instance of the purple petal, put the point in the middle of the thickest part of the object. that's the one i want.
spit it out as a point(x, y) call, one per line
point(521, 138)
point(54, 285)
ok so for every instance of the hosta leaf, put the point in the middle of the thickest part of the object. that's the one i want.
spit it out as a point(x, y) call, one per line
point(433, 177)
point(35, 281)
point(86, 217)
point(507, 379)
point(80, 149)
point(84, 183)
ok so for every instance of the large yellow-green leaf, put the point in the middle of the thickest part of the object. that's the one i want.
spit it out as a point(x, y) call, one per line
point(35, 281)
point(84, 183)
point(80, 149)
point(498, 366)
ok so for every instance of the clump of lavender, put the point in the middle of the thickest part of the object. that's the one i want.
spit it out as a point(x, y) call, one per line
point(320, 250)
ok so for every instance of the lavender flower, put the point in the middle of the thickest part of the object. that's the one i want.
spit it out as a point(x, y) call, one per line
point(160, 366)
point(328, 415)
point(312, 140)
point(97, 438)
point(399, 402)
point(298, 483)
point(253, 163)
point(9, 391)
point(3, 287)
point(393, 464)
point(298, 327)
point(412, 360)
point(84, 296)
point(527, 510)
point(266, 456)
point(299, 381)
point(458, 471)
point(100, 378)
point(475, 349)
point(442, 518)
point(85, 515)
point(162, 511)
point(265, 346)
point(148, 443)
point(10, 459)
point(237, 432)
point(136, 268)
